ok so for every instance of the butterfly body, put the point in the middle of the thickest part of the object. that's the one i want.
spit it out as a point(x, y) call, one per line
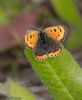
point(42, 39)
point(45, 43)
point(42, 48)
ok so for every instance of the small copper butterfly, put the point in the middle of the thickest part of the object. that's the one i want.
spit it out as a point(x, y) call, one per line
point(46, 42)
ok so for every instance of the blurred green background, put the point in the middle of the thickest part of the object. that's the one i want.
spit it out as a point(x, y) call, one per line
point(14, 18)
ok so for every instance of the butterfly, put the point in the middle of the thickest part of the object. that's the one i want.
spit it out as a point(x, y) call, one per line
point(46, 42)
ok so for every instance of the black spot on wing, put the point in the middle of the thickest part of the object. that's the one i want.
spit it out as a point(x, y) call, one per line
point(54, 30)
point(58, 34)
point(51, 30)
point(60, 30)
point(27, 38)
point(30, 42)
point(30, 36)
point(56, 37)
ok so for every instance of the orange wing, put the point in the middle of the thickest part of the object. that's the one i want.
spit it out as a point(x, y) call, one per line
point(42, 57)
point(55, 53)
point(52, 54)
point(31, 38)
point(56, 33)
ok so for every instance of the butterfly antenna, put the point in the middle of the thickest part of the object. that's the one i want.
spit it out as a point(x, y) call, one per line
point(32, 26)
point(44, 23)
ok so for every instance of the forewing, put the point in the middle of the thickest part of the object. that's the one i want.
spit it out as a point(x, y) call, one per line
point(31, 38)
point(57, 33)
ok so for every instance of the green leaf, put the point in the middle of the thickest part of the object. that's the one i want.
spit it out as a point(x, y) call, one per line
point(62, 75)
point(14, 90)
point(74, 40)
point(4, 19)
point(67, 10)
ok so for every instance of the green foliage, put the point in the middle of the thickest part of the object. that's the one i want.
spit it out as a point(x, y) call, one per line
point(3, 17)
point(15, 90)
point(75, 40)
point(62, 75)
point(67, 11)
point(8, 8)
